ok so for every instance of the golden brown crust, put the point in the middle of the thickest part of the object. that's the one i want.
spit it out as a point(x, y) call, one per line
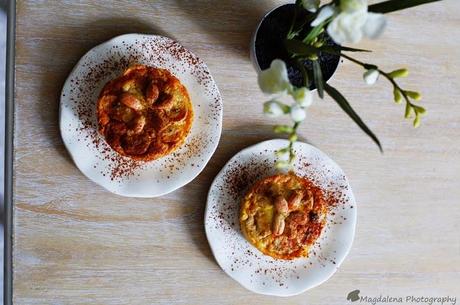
point(283, 215)
point(144, 114)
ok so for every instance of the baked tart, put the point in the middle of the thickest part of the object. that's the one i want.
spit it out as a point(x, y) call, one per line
point(145, 113)
point(283, 216)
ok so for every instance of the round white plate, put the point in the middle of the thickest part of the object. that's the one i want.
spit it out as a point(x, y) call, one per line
point(243, 262)
point(91, 153)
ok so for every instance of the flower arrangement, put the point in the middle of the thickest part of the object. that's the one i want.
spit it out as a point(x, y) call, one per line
point(346, 22)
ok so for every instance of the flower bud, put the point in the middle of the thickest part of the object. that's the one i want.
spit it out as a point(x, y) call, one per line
point(297, 113)
point(419, 109)
point(293, 137)
point(282, 129)
point(283, 155)
point(417, 120)
point(318, 44)
point(397, 96)
point(274, 79)
point(371, 76)
point(273, 108)
point(399, 73)
point(325, 13)
point(282, 164)
point(408, 111)
point(414, 95)
point(303, 97)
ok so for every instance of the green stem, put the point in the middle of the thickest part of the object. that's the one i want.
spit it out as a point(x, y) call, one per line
point(365, 65)
point(386, 75)
point(291, 143)
point(315, 32)
point(395, 84)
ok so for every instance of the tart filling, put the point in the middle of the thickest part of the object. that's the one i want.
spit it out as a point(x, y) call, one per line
point(144, 114)
point(283, 216)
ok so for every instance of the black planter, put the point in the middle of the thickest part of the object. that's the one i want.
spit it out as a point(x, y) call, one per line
point(268, 44)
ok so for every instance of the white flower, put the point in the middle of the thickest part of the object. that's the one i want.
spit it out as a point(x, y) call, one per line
point(374, 26)
point(303, 97)
point(311, 5)
point(324, 13)
point(371, 76)
point(274, 79)
point(297, 113)
point(347, 27)
point(354, 21)
point(273, 109)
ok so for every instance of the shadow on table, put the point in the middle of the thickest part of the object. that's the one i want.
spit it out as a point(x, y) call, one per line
point(232, 141)
point(230, 22)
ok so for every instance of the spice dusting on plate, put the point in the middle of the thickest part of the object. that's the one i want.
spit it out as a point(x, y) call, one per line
point(239, 256)
point(102, 64)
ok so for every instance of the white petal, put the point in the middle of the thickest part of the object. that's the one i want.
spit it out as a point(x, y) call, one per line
point(347, 27)
point(371, 76)
point(275, 79)
point(303, 97)
point(374, 26)
point(297, 113)
point(324, 13)
point(273, 109)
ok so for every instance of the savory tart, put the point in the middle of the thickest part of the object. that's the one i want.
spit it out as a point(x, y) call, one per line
point(283, 215)
point(144, 114)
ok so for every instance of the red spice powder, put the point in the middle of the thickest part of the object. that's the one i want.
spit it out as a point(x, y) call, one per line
point(159, 52)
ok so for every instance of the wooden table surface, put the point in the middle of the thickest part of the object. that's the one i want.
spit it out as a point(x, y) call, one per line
point(75, 243)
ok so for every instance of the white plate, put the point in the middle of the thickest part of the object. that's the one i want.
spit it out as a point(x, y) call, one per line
point(91, 153)
point(243, 262)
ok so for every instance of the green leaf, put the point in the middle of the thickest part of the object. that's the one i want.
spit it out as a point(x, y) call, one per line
point(318, 78)
point(314, 32)
point(339, 53)
point(343, 103)
point(339, 49)
point(396, 5)
point(348, 49)
point(306, 81)
point(299, 48)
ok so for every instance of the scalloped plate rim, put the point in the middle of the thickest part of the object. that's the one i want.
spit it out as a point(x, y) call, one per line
point(66, 144)
point(207, 211)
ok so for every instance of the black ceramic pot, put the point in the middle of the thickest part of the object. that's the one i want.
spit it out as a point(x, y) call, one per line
point(268, 44)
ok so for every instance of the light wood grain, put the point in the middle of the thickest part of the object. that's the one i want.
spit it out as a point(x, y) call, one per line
point(75, 243)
